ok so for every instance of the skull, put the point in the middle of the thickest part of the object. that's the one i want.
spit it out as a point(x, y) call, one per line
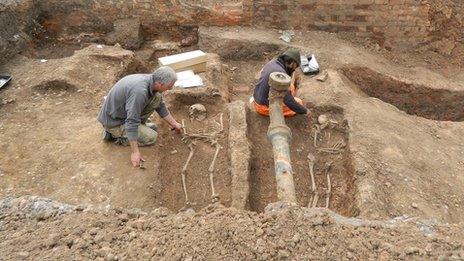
point(197, 111)
point(323, 119)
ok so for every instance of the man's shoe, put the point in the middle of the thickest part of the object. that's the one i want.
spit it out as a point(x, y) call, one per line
point(151, 125)
point(107, 136)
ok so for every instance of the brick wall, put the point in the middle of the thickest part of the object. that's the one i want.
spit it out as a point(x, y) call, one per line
point(156, 16)
point(392, 22)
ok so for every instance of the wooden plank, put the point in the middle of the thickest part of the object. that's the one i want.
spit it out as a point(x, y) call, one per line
point(182, 61)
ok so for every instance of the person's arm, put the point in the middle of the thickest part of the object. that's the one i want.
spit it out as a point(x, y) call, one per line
point(291, 103)
point(134, 106)
point(136, 157)
point(164, 113)
point(174, 124)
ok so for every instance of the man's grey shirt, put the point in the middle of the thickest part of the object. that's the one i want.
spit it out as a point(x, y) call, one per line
point(126, 101)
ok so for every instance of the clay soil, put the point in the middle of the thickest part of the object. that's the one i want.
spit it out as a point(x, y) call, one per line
point(32, 228)
point(263, 180)
point(173, 154)
point(414, 99)
point(51, 147)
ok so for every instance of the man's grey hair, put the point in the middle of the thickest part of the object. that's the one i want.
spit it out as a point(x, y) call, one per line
point(164, 75)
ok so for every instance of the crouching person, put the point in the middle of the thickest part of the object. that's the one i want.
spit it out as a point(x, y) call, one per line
point(128, 106)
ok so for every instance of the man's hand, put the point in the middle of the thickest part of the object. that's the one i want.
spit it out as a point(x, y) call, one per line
point(177, 127)
point(174, 124)
point(136, 159)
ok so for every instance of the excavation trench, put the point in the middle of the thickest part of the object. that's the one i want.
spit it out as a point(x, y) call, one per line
point(173, 153)
point(414, 99)
point(168, 157)
point(262, 176)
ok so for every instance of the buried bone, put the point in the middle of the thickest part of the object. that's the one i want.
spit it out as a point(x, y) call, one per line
point(197, 112)
point(311, 161)
point(328, 165)
point(337, 148)
point(190, 141)
point(214, 196)
point(183, 173)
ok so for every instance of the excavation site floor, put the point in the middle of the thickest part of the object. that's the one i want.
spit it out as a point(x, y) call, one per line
point(388, 163)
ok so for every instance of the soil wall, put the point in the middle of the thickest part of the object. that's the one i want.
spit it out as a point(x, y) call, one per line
point(17, 23)
point(392, 23)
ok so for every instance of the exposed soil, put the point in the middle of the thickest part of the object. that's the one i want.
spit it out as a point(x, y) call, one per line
point(52, 49)
point(263, 182)
point(243, 76)
point(35, 229)
point(423, 101)
point(173, 154)
point(51, 147)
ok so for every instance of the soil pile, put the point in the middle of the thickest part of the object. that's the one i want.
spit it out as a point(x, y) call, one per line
point(38, 228)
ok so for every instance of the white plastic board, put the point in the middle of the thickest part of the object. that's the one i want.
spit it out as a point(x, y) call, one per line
point(182, 60)
point(187, 79)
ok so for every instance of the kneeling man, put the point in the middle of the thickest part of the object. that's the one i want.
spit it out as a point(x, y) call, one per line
point(129, 104)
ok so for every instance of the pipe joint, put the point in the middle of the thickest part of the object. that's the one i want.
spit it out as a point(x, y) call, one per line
point(279, 130)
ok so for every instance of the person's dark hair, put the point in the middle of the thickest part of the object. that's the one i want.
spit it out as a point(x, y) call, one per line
point(285, 59)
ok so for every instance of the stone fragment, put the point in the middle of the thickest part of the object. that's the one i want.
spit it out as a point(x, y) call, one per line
point(323, 77)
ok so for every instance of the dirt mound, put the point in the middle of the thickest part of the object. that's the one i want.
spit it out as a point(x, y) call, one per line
point(213, 233)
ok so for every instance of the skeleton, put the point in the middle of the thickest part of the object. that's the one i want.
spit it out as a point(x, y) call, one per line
point(311, 161)
point(328, 165)
point(190, 139)
point(214, 196)
point(197, 111)
point(335, 149)
point(323, 122)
